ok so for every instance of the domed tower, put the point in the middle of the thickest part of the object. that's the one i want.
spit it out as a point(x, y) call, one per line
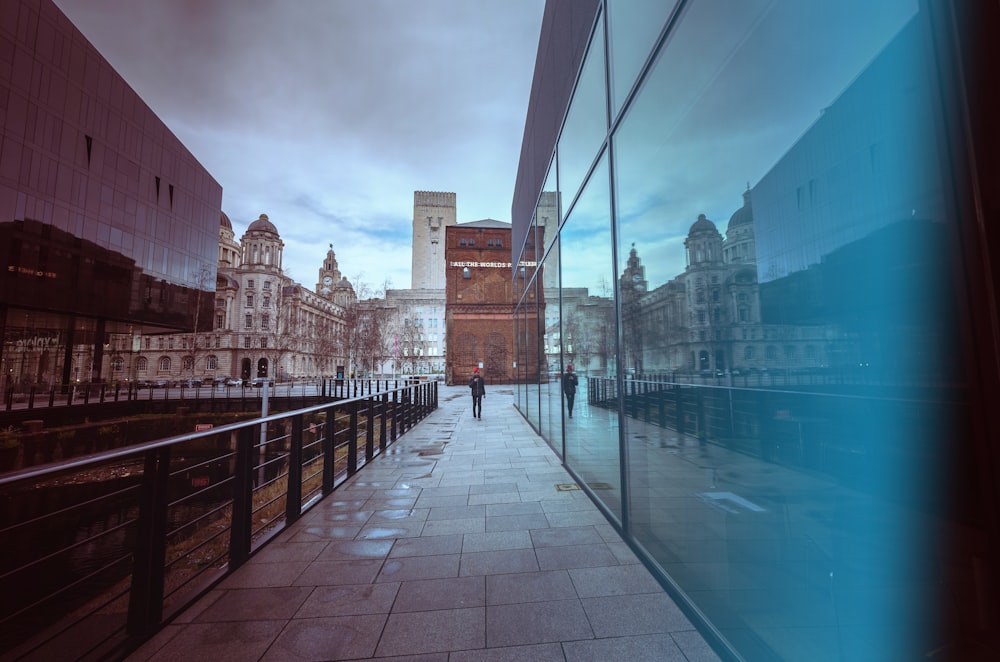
point(262, 247)
point(703, 244)
point(739, 246)
point(229, 248)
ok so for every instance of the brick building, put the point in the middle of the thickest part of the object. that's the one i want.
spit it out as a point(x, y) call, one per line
point(479, 302)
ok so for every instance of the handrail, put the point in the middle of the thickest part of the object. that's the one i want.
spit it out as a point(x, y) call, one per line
point(163, 521)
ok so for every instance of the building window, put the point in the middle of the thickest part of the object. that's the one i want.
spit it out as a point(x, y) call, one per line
point(141, 364)
point(748, 352)
point(265, 322)
point(248, 322)
point(164, 364)
point(246, 343)
point(489, 243)
point(462, 242)
point(249, 301)
point(263, 343)
point(267, 285)
point(187, 363)
point(220, 321)
point(472, 242)
point(499, 243)
point(250, 284)
point(117, 364)
point(267, 302)
point(212, 362)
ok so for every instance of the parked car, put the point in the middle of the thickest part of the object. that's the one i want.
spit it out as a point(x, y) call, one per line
point(259, 381)
point(159, 383)
point(191, 383)
point(233, 381)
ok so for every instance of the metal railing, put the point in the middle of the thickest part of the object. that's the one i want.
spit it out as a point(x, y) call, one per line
point(846, 434)
point(101, 551)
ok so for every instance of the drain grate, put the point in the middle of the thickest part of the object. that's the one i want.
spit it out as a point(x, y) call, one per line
point(566, 487)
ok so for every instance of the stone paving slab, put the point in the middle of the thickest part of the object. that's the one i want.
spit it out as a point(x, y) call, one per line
point(453, 546)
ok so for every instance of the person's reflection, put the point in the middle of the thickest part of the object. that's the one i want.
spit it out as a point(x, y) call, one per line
point(569, 382)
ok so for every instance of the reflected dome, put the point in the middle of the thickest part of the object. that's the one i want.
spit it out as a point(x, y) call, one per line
point(702, 225)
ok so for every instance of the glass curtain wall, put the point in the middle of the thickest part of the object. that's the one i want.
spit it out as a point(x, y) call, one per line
point(755, 276)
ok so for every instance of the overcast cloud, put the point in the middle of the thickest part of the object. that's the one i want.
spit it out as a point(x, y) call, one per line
point(326, 115)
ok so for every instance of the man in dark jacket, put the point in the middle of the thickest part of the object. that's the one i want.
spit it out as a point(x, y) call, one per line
point(570, 381)
point(478, 386)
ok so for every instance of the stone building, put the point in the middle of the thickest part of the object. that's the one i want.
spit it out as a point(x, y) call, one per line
point(433, 212)
point(264, 323)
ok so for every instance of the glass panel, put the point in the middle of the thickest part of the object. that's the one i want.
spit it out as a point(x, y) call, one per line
point(586, 123)
point(784, 398)
point(551, 392)
point(633, 26)
point(588, 340)
point(547, 211)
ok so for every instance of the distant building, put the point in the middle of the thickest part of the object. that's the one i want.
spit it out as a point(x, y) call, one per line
point(433, 211)
point(262, 322)
point(480, 301)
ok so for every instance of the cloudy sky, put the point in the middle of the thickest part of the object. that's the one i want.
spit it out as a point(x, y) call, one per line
point(327, 115)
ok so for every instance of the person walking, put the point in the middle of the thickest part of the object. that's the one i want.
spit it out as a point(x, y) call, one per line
point(478, 386)
point(569, 383)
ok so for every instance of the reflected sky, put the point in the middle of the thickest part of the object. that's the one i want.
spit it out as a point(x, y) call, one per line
point(725, 102)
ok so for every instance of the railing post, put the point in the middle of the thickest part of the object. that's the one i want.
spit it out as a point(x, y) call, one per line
point(370, 432)
point(145, 605)
point(381, 426)
point(329, 461)
point(352, 440)
point(293, 495)
point(679, 410)
point(239, 536)
point(31, 397)
point(395, 413)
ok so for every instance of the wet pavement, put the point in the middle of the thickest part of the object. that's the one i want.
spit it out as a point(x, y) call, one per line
point(465, 542)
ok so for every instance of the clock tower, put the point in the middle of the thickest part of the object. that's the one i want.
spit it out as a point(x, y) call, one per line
point(329, 275)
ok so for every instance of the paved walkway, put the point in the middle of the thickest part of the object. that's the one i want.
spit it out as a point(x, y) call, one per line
point(460, 544)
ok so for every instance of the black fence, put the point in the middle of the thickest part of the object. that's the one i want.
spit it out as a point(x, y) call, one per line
point(100, 551)
point(851, 433)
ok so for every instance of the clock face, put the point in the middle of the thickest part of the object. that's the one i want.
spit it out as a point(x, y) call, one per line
point(327, 280)
point(635, 278)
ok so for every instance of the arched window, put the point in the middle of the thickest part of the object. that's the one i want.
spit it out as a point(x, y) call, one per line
point(187, 363)
point(141, 364)
point(164, 364)
point(212, 362)
point(117, 364)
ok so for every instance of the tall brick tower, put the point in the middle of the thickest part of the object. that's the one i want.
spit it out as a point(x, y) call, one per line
point(433, 211)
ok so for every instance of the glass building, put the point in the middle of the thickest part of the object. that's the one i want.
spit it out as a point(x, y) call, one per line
point(758, 231)
point(108, 224)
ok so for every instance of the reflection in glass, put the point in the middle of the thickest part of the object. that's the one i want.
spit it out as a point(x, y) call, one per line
point(552, 348)
point(781, 355)
point(586, 123)
point(588, 340)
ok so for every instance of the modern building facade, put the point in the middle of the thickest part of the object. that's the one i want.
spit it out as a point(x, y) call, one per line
point(789, 422)
point(263, 324)
point(108, 224)
point(480, 302)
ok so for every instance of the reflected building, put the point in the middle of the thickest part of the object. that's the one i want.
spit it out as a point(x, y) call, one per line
point(263, 323)
point(707, 320)
point(108, 223)
point(789, 417)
